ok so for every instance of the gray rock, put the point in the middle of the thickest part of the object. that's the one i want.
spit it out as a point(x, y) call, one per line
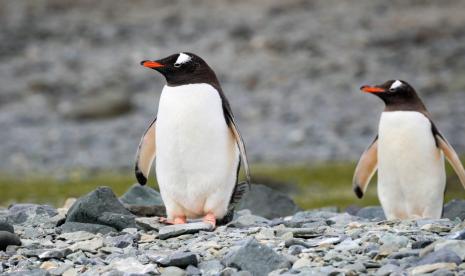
point(454, 209)
point(256, 258)
point(248, 221)
point(372, 213)
point(31, 214)
point(173, 271)
point(456, 246)
point(440, 256)
point(443, 272)
point(121, 241)
point(141, 195)
point(149, 224)
point(5, 226)
point(179, 259)
point(181, 229)
point(387, 269)
point(259, 199)
point(211, 268)
point(69, 227)
point(55, 254)
point(193, 271)
point(147, 210)
point(7, 238)
point(101, 207)
point(32, 272)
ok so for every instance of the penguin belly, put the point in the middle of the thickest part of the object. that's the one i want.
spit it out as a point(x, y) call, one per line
point(197, 156)
point(411, 172)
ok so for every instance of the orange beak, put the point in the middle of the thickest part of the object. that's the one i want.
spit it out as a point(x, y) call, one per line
point(372, 89)
point(151, 64)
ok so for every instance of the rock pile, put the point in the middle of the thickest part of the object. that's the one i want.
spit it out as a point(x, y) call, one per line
point(100, 237)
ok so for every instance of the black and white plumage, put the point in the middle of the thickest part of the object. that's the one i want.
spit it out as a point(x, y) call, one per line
point(408, 153)
point(195, 140)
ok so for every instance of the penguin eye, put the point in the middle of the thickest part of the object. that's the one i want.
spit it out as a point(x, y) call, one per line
point(177, 65)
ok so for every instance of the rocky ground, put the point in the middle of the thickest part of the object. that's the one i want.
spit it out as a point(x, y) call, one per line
point(73, 94)
point(98, 235)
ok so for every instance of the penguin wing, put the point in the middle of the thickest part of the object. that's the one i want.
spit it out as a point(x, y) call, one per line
point(146, 154)
point(451, 156)
point(241, 146)
point(366, 168)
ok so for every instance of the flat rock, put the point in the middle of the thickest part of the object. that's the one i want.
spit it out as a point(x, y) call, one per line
point(248, 220)
point(260, 197)
point(440, 256)
point(422, 269)
point(141, 195)
point(454, 209)
point(173, 271)
point(87, 246)
point(456, 246)
point(210, 268)
point(171, 231)
point(55, 254)
point(256, 258)
point(70, 227)
point(179, 259)
point(131, 266)
point(149, 223)
point(77, 236)
point(8, 238)
point(101, 206)
point(387, 269)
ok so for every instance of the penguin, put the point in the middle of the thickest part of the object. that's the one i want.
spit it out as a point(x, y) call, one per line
point(197, 144)
point(408, 153)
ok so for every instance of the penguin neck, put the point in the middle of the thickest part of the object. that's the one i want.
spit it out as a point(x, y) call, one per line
point(412, 103)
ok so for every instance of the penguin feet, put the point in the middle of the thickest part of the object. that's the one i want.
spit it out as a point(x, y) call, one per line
point(210, 219)
point(176, 220)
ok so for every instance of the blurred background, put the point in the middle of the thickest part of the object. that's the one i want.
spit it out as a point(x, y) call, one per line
point(74, 100)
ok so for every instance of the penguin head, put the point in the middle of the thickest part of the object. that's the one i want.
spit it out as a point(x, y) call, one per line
point(182, 68)
point(393, 92)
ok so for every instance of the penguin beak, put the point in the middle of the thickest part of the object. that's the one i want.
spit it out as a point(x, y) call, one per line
point(372, 89)
point(151, 64)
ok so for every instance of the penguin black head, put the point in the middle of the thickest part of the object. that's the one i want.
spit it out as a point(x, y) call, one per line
point(183, 68)
point(396, 94)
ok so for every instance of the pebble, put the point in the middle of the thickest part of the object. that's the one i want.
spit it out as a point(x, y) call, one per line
point(182, 229)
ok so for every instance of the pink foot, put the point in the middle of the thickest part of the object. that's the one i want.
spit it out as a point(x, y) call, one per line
point(210, 219)
point(176, 220)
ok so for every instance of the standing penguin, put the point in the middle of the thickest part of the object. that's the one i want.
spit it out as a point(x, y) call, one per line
point(195, 139)
point(408, 153)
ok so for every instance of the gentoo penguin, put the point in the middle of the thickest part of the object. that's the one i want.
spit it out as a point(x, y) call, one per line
point(408, 153)
point(197, 144)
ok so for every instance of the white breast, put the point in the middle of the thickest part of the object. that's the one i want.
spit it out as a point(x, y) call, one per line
point(196, 153)
point(411, 177)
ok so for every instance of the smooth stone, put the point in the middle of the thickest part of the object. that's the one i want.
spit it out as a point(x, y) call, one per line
point(421, 244)
point(387, 269)
point(443, 272)
point(302, 262)
point(70, 227)
point(259, 199)
point(295, 250)
point(210, 268)
point(456, 246)
point(5, 226)
point(432, 267)
point(101, 206)
point(256, 258)
point(372, 213)
point(182, 229)
point(179, 259)
point(141, 195)
point(440, 256)
point(347, 245)
point(393, 239)
point(454, 209)
point(7, 238)
point(245, 221)
point(173, 271)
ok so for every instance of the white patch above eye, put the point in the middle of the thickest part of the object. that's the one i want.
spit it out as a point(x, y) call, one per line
point(183, 58)
point(396, 84)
